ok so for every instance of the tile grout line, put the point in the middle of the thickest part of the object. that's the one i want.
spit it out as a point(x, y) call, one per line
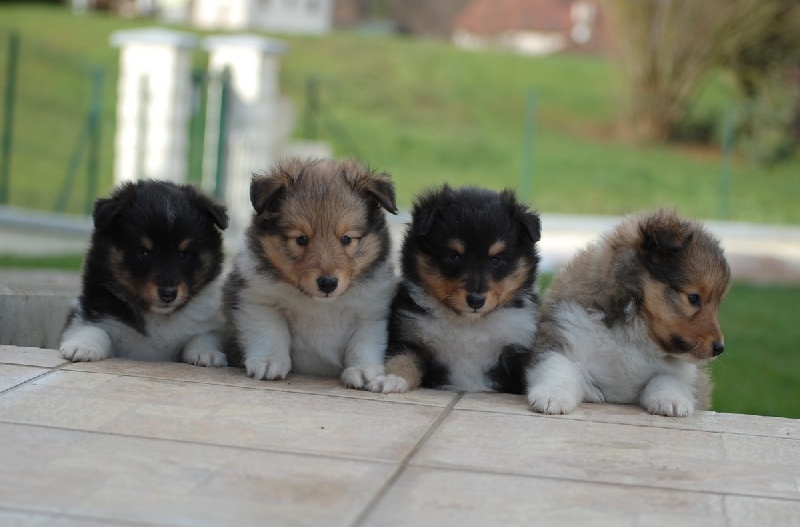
point(401, 467)
point(50, 370)
point(71, 516)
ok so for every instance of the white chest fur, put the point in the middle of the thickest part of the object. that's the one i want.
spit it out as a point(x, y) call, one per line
point(469, 347)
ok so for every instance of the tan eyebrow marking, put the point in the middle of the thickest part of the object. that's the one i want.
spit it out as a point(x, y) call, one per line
point(497, 247)
point(456, 245)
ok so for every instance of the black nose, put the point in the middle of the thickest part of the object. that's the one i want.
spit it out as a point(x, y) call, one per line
point(327, 284)
point(718, 347)
point(167, 294)
point(475, 301)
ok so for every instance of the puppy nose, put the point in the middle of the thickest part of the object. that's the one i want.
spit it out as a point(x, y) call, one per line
point(718, 348)
point(327, 284)
point(167, 294)
point(475, 301)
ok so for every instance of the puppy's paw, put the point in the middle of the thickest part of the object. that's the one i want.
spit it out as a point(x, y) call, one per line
point(388, 384)
point(592, 394)
point(205, 357)
point(669, 406)
point(268, 368)
point(551, 401)
point(360, 376)
point(88, 345)
point(668, 396)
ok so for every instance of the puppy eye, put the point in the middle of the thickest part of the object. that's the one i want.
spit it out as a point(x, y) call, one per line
point(143, 254)
point(302, 241)
point(183, 255)
point(694, 299)
point(453, 259)
point(346, 240)
point(495, 261)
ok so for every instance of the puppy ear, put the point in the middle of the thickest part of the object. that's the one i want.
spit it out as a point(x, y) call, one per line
point(106, 209)
point(528, 219)
point(427, 208)
point(266, 190)
point(663, 235)
point(375, 186)
point(218, 213)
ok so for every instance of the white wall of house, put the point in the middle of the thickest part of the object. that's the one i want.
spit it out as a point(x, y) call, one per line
point(281, 16)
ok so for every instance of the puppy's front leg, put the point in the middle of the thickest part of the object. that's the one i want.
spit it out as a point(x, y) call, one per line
point(204, 350)
point(667, 395)
point(554, 384)
point(264, 337)
point(82, 341)
point(366, 350)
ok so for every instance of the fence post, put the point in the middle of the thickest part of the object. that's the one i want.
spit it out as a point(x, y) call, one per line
point(8, 116)
point(528, 134)
point(157, 61)
point(257, 119)
point(95, 122)
point(728, 137)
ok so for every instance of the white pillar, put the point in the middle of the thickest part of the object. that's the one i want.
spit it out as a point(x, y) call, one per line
point(258, 120)
point(153, 104)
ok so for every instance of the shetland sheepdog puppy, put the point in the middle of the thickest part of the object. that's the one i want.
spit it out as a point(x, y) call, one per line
point(310, 289)
point(464, 317)
point(633, 318)
point(151, 279)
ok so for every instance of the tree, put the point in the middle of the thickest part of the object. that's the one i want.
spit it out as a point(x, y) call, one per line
point(669, 47)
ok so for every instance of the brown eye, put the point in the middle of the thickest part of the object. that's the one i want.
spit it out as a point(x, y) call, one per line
point(495, 261)
point(693, 298)
point(183, 255)
point(302, 241)
point(143, 254)
point(346, 240)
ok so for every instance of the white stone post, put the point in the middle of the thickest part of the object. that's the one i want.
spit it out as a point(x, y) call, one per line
point(258, 119)
point(153, 104)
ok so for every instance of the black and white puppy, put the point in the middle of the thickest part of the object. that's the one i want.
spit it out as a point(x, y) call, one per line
point(465, 315)
point(151, 278)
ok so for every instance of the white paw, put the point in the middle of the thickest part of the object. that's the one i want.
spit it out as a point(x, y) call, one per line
point(205, 357)
point(552, 401)
point(669, 406)
point(592, 394)
point(360, 376)
point(86, 345)
point(388, 384)
point(268, 368)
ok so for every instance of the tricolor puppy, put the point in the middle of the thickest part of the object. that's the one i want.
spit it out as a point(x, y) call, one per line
point(465, 315)
point(151, 279)
point(310, 290)
point(633, 319)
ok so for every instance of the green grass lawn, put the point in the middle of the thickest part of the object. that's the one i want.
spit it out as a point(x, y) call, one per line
point(422, 110)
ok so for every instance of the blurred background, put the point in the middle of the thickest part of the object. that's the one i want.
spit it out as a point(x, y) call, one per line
point(590, 109)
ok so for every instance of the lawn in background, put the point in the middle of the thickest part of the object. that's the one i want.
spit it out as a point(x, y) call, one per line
point(424, 111)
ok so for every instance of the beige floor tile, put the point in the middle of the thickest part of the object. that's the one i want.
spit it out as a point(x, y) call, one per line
point(743, 511)
point(435, 497)
point(38, 519)
point(754, 425)
point(612, 453)
point(30, 356)
point(237, 377)
point(218, 414)
point(12, 375)
point(164, 482)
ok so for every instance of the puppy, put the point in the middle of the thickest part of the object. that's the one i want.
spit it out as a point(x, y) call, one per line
point(151, 279)
point(310, 290)
point(633, 319)
point(464, 317)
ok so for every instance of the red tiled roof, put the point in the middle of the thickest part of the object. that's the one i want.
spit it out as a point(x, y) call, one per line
point(487, 17)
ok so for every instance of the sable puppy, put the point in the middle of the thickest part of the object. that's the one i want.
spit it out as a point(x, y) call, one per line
point(151, 285)
point(464, 317)
point(633, 319)
point(310, 290)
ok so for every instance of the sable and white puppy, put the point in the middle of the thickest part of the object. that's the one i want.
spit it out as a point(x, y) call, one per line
point(465, 315)
point(310, 290)
point(151, 280)
point(633, 319)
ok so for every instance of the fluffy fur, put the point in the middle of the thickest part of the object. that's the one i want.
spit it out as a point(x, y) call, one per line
point(310, 290)
point(151, 279)
point(465, 315)
point(633, 319)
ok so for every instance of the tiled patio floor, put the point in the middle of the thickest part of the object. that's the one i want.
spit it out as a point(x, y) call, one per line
point(131, 443)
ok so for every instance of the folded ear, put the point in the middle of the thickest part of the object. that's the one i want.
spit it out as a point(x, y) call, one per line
point(106, 209)
point(218, 213)
point(375, 186)
point(528, 220)
point(427, 207)
point(663, 235)
point(267, 189)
